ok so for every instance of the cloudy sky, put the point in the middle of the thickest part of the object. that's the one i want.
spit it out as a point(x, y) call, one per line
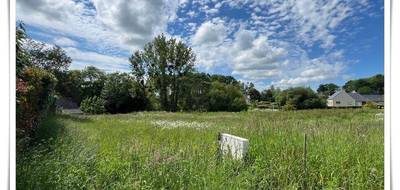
point(267, 42)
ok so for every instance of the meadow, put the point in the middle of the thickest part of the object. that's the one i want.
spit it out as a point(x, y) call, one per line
point(161, 150)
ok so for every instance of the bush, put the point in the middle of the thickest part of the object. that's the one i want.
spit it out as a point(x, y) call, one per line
point(370, 105)
point(34, 99)
point(289, 107)
point(93, 105)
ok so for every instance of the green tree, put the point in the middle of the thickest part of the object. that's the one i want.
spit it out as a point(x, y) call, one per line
point(122, 94)
point(371, 85)
point(223, 97)
point(163, 62)
point(70, 85)
point(327, 89)
point(93, 81)
point(51, 58)
point(300, 98)
point(195, 87)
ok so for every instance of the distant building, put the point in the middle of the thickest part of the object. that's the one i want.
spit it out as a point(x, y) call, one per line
point(353, 99)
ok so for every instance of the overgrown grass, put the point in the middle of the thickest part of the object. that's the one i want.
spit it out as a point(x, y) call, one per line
point(147, 151)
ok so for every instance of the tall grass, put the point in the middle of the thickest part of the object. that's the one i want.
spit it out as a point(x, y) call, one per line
point(134, 151)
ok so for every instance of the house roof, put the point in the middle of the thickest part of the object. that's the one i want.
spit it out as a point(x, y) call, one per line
point(335, 94)
point(374, 97)
point(358, 97)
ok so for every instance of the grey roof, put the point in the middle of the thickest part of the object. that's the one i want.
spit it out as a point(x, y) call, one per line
point(358, 97)
point(374, 97)
point(335, 94)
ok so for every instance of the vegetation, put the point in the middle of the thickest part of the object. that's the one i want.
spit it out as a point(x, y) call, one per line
point(327, 89)
point(36, 68)
point(122, 94)
point(371, 85)
point(370, 105)
point(161, 65)
point(93, 105)
point(159, 150)
point(300, 98)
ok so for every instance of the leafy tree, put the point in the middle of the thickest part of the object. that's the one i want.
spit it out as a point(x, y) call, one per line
point(22, 57)
point(163, 62)
point(371, 85)
point(122, 94)
point(327, 89)
point(50, 58)
point(93, 105)
point(224, 97)
point(93, 81)
point(70, 85)
point(195, 87)
point(224, 79)
point(254, 94)
point(301, 98)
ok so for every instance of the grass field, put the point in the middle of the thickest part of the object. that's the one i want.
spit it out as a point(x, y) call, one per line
point(158, 150)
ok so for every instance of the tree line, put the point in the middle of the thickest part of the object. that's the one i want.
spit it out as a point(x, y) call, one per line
point(162, 77)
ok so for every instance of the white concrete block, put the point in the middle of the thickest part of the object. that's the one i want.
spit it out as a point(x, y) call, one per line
point(236, 146)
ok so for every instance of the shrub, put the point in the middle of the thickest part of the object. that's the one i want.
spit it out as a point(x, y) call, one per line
point(289, 106)
point(34, 99)
point(93, 105)
point(370, 105)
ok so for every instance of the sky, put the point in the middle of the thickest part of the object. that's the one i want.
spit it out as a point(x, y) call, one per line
point(266, 42)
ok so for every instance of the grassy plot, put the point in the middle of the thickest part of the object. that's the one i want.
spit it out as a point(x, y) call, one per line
point(157, 150)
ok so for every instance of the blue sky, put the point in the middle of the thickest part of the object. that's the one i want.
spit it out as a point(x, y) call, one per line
point(281, 43)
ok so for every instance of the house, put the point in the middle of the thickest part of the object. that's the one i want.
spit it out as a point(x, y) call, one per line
point(342, 99)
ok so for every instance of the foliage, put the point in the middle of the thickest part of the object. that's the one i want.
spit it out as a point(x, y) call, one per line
point(301, 98)
point(370, 105)
point(254, 94)
point(93, 105)
point(93, 81)
point(34, 98)
point(289, 106)
point(122, 94)
point(163, 62)
point(327, 89)
point(345, 150)
point(371, 85)
point(50, 58)
point(22, 57)
point(70, 85)
point(194, 95)
point(223, 97)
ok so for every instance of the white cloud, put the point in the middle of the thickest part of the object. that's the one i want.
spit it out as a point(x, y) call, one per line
point(210, 33)
point(64, 41)
point(118, 24)
point(81, 59)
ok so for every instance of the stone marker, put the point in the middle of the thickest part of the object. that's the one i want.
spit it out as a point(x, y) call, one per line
point(234, 145)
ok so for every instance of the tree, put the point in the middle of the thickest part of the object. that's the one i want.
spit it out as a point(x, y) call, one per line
point(70, 85)
point(371, 85)
point(22, 57)
point(93, 81)
point(327, 89)
point(122, 94)
point(163, 62)
point(223, 97)
point(300, 98)
point(50, 58)
point(254, 94)
point(195, 87)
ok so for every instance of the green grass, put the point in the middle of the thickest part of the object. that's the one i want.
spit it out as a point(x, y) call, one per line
point(133, 151)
